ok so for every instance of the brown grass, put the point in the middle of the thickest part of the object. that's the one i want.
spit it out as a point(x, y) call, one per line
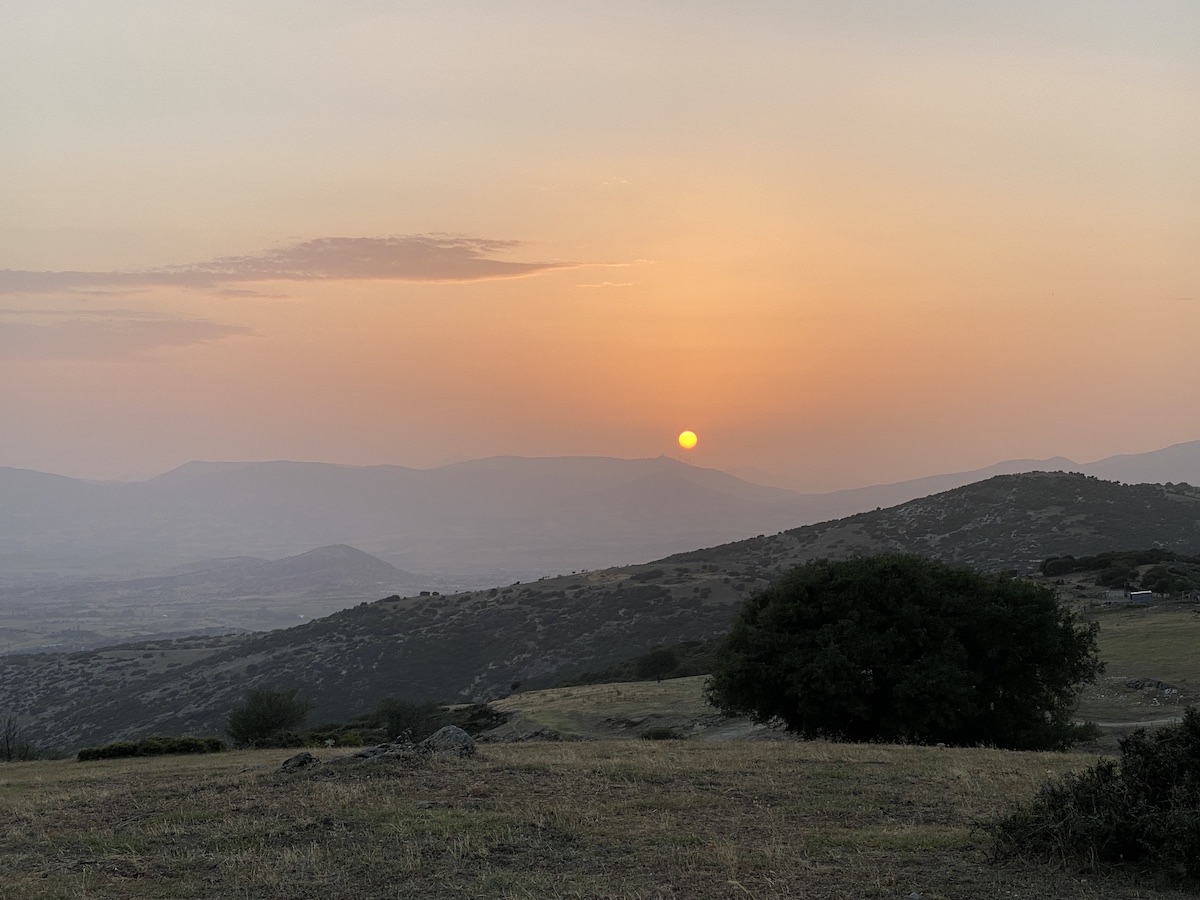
point(628, 819)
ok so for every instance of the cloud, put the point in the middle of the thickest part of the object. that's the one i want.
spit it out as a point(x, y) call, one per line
point(428, 257)
point(107, 334)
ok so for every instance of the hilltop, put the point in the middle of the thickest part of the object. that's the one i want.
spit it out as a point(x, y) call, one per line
point(1006, 522)
point(475, 644)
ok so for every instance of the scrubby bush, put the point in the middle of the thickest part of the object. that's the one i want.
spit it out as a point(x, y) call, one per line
point(401, 717)
point(268, 718)
point(153, 746)
point(1140, 814)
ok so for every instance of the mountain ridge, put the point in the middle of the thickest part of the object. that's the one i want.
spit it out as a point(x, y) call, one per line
point(474, 644)
point(469, 523)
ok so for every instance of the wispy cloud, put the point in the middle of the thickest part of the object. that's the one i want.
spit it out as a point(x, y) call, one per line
point(101, 334)
point(427, 257)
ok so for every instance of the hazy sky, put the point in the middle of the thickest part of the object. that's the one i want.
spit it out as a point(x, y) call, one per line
point(843, 242)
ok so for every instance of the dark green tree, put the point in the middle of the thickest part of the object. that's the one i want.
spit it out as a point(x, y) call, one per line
point(904, 649)
point(265, 715)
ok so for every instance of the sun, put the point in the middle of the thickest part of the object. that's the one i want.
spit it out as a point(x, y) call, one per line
point(687, 439)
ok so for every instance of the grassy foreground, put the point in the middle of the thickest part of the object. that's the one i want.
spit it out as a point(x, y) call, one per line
point(644, 819)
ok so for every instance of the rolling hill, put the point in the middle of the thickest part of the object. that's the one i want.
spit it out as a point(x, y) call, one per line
point(210, 596)
point(474, 644)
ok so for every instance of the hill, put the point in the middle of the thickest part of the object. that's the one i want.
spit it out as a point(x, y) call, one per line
point(474, 524)
point(475, 644)
point(1006, 522)
point(210, 596)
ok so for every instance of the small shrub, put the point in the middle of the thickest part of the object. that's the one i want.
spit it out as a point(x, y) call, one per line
point(401, 717)
point(660, 733)
point(1141, 814)
point(153, 746)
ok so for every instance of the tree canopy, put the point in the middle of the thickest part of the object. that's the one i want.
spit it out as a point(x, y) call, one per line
point(265, 714)
point(904, 649)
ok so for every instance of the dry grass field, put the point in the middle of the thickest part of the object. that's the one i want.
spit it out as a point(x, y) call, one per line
point(1152, 642)
point(608, 819)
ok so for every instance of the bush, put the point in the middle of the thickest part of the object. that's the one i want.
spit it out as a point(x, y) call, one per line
point(401, 717)
point(266, 717)
point(152, 746)
point(660, 733)
point(903, 649)
point(1141, 814)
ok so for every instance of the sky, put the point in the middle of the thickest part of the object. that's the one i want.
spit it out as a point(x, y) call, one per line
point(844, 243)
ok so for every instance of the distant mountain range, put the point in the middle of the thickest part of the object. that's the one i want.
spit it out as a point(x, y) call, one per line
point(229, 546)
point(479, 523)
point(470, 524)
point(474, 644)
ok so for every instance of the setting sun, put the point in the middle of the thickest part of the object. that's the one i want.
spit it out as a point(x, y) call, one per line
point(687, 439)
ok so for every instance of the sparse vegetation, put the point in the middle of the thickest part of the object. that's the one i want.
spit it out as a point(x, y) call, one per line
point(899, 648)
point(690, 658)
point(652, 819)
point(580, 627)
point(399, 718)
point(14, 746)
point(1140, 814)
point(1156, 569)
point(658, 663)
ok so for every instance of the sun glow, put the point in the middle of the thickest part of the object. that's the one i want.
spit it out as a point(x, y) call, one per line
point(687, 439)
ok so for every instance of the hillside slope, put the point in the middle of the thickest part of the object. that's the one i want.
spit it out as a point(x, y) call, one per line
point(473, 645)
point(206, 597)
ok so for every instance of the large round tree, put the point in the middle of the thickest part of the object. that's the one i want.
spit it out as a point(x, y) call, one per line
point(904, 649)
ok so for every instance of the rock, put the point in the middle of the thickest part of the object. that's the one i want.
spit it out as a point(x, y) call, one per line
point(394, 751)
point(1144, 684)
point(300, 762)
point(451, 741)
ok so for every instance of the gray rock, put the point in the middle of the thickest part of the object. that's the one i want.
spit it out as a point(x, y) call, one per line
point(451, 741)
point(300, 762)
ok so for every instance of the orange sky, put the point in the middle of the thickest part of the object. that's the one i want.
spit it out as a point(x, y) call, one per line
point(845, 245)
